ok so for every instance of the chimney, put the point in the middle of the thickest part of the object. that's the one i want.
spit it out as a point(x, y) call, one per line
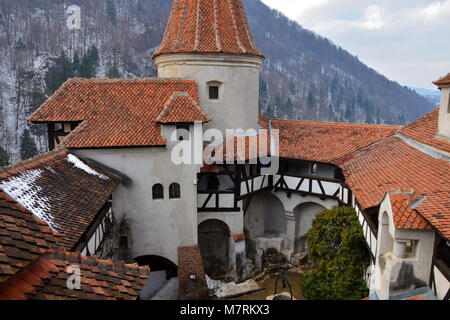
point(444, 112)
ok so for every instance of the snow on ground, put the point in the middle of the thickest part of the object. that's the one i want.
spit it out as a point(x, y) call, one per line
point(227, 290)
point(81, 165)
point(23, 189)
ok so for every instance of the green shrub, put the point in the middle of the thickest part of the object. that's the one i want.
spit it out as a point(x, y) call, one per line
point(336, 244)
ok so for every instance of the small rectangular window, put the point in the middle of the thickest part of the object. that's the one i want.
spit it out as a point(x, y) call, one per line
point(314, 168)
point(410, 251)
point(213, 92)
point(58, 126)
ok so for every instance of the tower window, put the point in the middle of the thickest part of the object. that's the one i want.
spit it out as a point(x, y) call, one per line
point(214, 92)
point(174, 191)
point(158, 191)
point(183, 132)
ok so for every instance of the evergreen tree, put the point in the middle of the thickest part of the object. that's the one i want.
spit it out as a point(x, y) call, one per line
point(28, 147)
point(311, 100)
point(37, 98)
point(113, 68)
point(4, 157)
point(336, 244)
point(111, 11)
point(76, 64)
point(58, 73)
point(113, 71)
point(89, 63)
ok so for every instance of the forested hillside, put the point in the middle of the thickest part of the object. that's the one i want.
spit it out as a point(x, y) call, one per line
point(304, 76)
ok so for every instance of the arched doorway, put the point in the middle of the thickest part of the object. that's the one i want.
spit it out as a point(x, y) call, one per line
point(214, 243)
point(265, 216)
point(304, 215)
point(158, 263)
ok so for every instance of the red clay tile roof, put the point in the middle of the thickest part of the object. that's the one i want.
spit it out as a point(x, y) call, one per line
point(115, 113)
point(392, 164)
point(424, 131)
point(443, 80)
point(181, 108)
point(404, 216)
point(61, 190)
point(46, 279)
point(326, 142)
point(23, 237)
point(208, 26)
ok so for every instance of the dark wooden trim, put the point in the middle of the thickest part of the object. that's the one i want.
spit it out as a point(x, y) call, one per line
point(91, 230)
point(208, 198)
point(443, 268)
point(433, 259)
point(321, 187)
point(447, 295)
point(218, 209)
point(215, 191)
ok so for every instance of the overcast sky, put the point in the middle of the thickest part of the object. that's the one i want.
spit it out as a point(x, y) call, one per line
point(406, 40)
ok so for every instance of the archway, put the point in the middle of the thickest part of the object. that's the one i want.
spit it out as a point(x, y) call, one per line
point(386, 240)
point(304, 215)
point(265, 215)
point(214, 243)
point(158, 263)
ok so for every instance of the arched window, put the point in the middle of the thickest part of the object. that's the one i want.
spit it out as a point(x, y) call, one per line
point(174, 191)
point(158, 191)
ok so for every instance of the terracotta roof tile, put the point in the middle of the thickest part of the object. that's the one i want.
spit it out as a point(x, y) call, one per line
point(46, 279)
point(23, 237)
point(425, 129)
point(326, 141)
point(117, 113)
point(394, 165)
point(182, 108)
point(444, 80)
point(404, 216)
point(208, 26)
point(61, 190)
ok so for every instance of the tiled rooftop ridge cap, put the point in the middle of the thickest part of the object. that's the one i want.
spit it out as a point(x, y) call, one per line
point(350, 124)
point(107, 264)
point(96, 80)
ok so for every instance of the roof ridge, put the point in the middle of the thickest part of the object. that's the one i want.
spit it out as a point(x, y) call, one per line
point(354, 124)
point(34, 160)
point(108, 264)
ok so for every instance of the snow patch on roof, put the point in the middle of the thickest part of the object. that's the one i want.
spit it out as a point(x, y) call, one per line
point(81, 165)
point(25, 191)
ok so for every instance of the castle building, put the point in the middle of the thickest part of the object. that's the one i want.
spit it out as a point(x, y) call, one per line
point(124, 134)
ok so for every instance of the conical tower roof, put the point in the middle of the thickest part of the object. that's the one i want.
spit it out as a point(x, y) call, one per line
point(208, 26)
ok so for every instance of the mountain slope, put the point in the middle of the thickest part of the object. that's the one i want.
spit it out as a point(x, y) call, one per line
point(304, 76)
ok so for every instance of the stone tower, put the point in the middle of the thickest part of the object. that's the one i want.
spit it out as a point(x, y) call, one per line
point(210, 41)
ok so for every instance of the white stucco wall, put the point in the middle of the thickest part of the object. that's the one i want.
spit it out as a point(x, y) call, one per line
point(237, 107)
point(388, 263)
point(158, 227)
point(444, 114)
